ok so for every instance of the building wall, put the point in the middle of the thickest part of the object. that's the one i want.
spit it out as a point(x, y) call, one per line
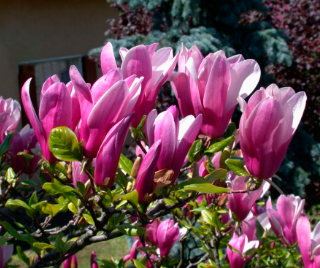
point(38, 29)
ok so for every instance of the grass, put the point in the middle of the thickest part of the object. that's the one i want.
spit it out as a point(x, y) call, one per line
point(115, 248)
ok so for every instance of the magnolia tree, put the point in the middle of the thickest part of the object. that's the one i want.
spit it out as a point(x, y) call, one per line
point(197, 181)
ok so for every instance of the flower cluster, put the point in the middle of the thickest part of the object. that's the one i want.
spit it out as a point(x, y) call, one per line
point(192, 164)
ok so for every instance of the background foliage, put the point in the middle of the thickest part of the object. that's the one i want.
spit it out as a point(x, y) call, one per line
point(283, 36)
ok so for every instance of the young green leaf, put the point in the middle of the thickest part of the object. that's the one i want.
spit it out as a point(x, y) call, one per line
point(22, 256)
point(11, 176)
point(219, 146)
point(217, 175)
point(237, 166)
point(64, 145)
point(132, 196)
point(138, 264)
point(42, 246)
point(125, 164)
point(194, 153)
point(200, 185)
point(127, 229)
point(16, 203)
point(56, 188)
point(11, 230)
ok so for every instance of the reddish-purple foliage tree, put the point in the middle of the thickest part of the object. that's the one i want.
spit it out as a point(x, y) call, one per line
point(300, 21)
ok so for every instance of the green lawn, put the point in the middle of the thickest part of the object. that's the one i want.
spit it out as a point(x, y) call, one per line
point(115, 248)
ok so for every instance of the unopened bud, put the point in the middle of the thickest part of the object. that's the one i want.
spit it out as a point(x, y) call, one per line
point(222, 199)
point(136, 166)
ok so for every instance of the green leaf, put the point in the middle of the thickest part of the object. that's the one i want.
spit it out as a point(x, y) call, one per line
point(195, 152)
point(64, 145)
point(141, 124)
point(69, 244)
point(5, 145)
point(127, 229)
point(22, 256)
point(16, 203)
point(230, 130)
point(33, 199)
point(39, 206)
point(132, 196)
point(81, 188)
point(217, 175)
point(138, 264)
point(125, 164)
point(208, 217)
point(56, 188)
point(88, 218)
point(200, 185)
point(148, 249)
point(63, 169)
point(26, 157)
point(121, 179)
point(219, 146)
point(114, 220)
point(58, 243)
point(11, 176)
point(73, 208)
point(237, 166)
point(52, 209)
point(13, 231)
point(42, 246)
point(3, 240)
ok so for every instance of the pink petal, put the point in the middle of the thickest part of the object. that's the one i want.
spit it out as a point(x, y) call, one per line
point(216, 90)
point(104, 83)
point(165, 130)
point(304, 242)
point(50, 81)
point(32, 116)
point(137, 61)
point(109, 154)
point(181, 89)
point(244, 78)
point(107, 59)
point(188, 131)
point(149, 126)
point(104, 114)
point(144, 181)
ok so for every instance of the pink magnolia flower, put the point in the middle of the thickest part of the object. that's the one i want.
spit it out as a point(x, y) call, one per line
point(154, 66)
point(144, 181)
point(71, 262)
point(55, 111)
point(309, 242)
point(241, 203)
point(10, 112)
point(108, 101)
point(109, 153)
point(267, 125)
point(94, 263)
point(24, 141)
point(134, 251)
point(210, 86)
point(176, 137)
point(152, 231)
point(243, 242)
point(168, 234)
point(284, 220)
point(5, 254)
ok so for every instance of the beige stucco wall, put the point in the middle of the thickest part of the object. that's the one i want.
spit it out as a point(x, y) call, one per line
point(38, 29)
